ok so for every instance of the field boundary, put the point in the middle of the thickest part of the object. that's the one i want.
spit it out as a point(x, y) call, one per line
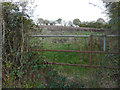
point(90, 51)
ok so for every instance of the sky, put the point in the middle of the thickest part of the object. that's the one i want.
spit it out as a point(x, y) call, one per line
point(69, 10)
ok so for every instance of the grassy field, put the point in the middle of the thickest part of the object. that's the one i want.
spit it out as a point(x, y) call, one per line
point(69, 43)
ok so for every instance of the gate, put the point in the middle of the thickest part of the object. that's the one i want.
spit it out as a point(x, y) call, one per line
point(90, 50)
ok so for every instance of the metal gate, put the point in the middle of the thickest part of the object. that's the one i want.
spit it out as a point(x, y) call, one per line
point(90, 50)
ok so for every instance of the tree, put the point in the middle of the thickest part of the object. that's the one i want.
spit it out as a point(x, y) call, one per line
point(64, 23)
point(59, 21)
point(41, 21)
point(47, 22)
point(114, 14)
point(76, 21)
point(17, 23)
point(101, 20)
point(70, 23)
point(52, 22)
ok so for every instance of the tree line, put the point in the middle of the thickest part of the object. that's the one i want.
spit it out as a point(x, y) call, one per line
point(99, 23)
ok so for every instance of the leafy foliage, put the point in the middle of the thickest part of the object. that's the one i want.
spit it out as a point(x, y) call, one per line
point(76, 21)
point(56, 81)
point(30, 70)
point(16, 23)
point(14, 20)
point(114, 14)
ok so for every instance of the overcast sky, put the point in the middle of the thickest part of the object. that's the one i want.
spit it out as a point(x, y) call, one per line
point(69, 10)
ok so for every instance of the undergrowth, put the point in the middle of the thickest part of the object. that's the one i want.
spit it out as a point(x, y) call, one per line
point(32, 72)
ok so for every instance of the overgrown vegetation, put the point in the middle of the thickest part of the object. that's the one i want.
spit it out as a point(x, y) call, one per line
point(22, 69)
point(81, 44)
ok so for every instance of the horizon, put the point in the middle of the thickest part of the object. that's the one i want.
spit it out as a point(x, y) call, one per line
point(52, 10)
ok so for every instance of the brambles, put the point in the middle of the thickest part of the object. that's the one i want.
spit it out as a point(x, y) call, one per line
point(28, 69)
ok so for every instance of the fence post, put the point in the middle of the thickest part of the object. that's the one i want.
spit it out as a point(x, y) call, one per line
point(27, 44)
point(90, 62)
point(104, 48)
point(90, 58)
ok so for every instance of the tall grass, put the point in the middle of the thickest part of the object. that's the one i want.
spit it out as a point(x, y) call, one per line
point(81, 44)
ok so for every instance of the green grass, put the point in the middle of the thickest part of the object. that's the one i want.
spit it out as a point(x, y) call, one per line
point(82, 44)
